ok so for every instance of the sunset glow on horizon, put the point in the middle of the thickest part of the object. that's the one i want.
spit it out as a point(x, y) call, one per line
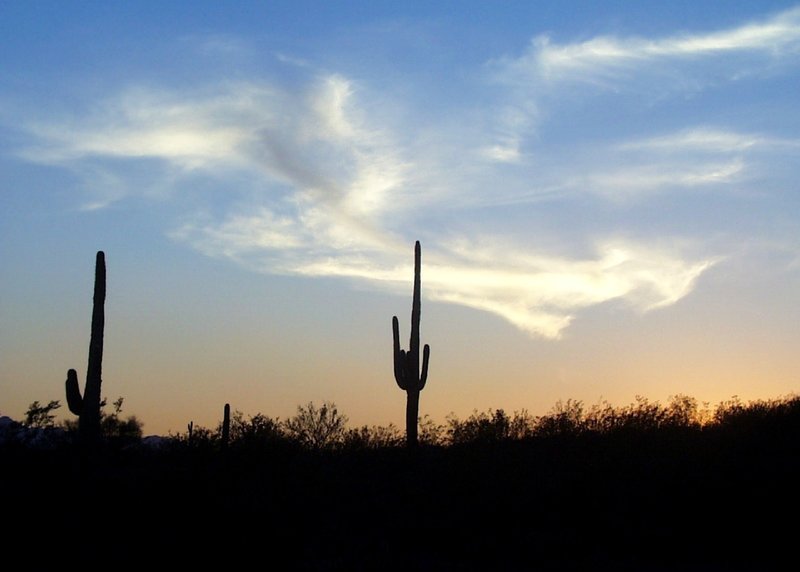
point(606, 197)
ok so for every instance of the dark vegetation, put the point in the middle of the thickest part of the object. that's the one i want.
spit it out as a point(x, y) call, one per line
point(647, 486)
point(641, 487)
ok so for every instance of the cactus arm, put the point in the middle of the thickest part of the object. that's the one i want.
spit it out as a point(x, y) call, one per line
point(399, 356)
point(426, 353)
point(74, 399)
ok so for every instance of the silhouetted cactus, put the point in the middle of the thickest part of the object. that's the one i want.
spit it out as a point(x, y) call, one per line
point(190, 428)
point(226, 426)
point(406, 363)
point(87, 407)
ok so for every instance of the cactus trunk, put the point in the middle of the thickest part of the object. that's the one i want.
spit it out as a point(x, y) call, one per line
point(90, 419)
point(407, 372)
point(412, 415)
point(87, 407)
point(226, 426)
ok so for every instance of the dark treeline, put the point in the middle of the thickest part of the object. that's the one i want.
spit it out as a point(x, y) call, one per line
point(640, 487)
point(324, 427)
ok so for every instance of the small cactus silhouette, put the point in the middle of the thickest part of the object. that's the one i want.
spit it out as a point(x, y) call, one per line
point(406, 363)
point(226, 426)
point(87, 407)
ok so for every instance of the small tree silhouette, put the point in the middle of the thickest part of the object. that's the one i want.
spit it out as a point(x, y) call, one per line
point(114, 427)
point(406, 363)
point(41, 416)
point(256, 431)
point(317, 428)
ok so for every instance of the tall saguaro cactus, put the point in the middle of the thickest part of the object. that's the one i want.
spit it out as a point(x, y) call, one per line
point(406, 363)
point(87, 407)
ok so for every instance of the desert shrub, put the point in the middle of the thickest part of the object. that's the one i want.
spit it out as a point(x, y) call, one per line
point(521, 425)
point(317, 427)
point(112, 426)
point(680, 412)
point(201, 438)
point(258, 426)
point(480, 427)
point(41, 416)
point(733, 414)
point(567, 418)
point(255, 431)
point(431, 433)
point(374, 437)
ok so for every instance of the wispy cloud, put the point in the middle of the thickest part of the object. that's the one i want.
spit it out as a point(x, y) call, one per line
point(597, 57)
point(146, 123)
point(333, 189)
point(541, 294)
point(634, 182)
point(673, 65)
point(709, 139)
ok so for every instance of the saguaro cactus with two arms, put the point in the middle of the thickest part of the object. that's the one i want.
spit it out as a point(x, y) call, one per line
point(407, 371)
point(87, 407)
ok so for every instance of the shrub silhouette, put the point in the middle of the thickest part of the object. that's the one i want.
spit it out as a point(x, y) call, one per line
point(374, 437)
point(485, 427)
point(257, 428)
point(565, 419)
point(113, 428)
point(580, 487)
point(317, 428)
point(41, 416)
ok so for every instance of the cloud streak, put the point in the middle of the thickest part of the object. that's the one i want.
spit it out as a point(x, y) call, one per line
point(597, 57)
point(552, 73)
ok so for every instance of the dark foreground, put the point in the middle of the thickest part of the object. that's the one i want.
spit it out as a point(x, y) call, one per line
point(665, 500)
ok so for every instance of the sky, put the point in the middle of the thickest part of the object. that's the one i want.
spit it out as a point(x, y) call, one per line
point(606, 197)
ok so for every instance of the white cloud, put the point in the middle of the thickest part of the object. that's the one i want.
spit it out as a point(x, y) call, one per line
point(331, 106)
point(241, 234)
point(660, 67)
point(598, 56)
point(540, 295)
point(634, 182)
point(710, 139)
point(332, 192)
point(150, 124)
point(507, 153)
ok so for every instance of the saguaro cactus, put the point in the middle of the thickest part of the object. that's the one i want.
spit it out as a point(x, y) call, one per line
point(226, 425)
point(87, 407)
point(406, 363)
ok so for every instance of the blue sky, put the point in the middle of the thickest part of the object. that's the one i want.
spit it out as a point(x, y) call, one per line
point(606, 196)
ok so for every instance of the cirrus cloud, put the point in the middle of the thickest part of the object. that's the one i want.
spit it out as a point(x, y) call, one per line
point(311, 180)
